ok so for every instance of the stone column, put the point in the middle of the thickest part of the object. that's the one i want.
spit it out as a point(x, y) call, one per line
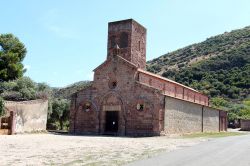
point(12, 122)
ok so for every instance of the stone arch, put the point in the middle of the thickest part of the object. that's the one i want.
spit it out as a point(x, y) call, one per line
point(112, 101)
point(94, 106)
point(86, 122)
point(112, 98)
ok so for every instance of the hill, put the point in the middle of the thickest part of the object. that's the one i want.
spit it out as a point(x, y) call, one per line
point(218, 66)
point(67, 91)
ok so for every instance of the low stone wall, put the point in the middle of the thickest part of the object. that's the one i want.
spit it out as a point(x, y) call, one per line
point(245, 124)
point(29, 116)
point(186, 117)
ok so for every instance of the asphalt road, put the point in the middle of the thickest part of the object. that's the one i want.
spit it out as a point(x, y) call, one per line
point(227, 151)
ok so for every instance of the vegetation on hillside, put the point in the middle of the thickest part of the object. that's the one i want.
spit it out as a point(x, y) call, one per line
point(226, 75)
point(219, 67)
point(194, 53)
point(67, 91)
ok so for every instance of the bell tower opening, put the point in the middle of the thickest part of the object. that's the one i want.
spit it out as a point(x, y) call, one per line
point(130, 36)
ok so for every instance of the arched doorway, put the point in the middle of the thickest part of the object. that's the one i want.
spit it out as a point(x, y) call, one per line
point(112, 119)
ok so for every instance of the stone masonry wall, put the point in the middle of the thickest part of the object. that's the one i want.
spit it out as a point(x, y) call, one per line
point(186, 117)
point(135, 51)
point(182, 116)
point(210, 120)
point(126, 95)
point(28, 115)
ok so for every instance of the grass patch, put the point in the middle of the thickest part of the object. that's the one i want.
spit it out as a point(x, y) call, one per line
point(211, 134)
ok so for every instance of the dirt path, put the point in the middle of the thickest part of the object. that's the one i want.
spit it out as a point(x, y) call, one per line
point(49, 149)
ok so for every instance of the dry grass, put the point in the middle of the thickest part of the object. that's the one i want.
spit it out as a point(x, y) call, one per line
point(212, 134)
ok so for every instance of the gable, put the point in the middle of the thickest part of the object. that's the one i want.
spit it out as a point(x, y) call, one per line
point(116, 58)
point(115, 71)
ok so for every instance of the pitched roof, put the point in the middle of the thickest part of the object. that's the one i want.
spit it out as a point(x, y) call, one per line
point(167, 80)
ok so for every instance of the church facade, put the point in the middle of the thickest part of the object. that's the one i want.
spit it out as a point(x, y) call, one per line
point(125, 99)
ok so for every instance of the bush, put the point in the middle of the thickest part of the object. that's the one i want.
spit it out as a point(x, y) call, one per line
point(12, 95)
point(1, 107)
point(245, 111)
point(24, 89)
point(219, 102)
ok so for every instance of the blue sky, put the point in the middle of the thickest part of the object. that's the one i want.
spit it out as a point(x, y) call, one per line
point(67, 39)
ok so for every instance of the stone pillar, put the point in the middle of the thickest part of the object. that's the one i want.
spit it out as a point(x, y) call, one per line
point(12, 122)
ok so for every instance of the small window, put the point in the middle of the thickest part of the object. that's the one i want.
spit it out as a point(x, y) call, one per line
point(112, 84)
point(87, 107)
point(139, 45)
point(140, 107)
point(124, 40)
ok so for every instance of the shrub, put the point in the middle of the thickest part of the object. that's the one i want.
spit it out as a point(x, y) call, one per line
point(1, 107)
point(24, 89)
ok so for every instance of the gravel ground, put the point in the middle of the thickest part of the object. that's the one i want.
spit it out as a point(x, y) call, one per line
point(50, 149)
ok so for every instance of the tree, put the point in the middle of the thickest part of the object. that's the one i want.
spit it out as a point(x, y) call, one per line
point(12, 53)
point(24, 89)
point(60, 111)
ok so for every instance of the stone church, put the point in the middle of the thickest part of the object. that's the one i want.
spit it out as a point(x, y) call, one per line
point(125, 99)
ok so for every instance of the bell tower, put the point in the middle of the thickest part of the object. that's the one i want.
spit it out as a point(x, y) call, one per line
point(130, 36)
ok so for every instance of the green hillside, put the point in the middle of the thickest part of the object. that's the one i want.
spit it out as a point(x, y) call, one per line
point(218, 66)
point(67, 91)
